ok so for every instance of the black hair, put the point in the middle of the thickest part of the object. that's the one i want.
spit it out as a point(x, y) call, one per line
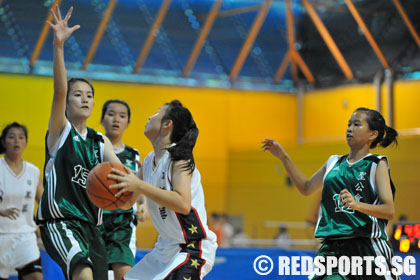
point(119, 101)
point(6, 130)
point(72, 81)
point(386, 134)
point(184, 133)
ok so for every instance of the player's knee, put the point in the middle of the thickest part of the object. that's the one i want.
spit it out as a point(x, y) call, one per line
point(31, 271)
point(82, 272)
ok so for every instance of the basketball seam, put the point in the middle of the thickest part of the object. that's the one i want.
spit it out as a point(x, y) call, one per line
point(108, 190)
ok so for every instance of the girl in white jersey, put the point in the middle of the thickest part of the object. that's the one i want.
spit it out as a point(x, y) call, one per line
point(172, 185)
point(20, 186)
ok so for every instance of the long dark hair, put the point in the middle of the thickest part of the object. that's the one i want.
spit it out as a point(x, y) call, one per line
point(6, 130)
point(119, 101)
point(184, 133)
point(386, 134)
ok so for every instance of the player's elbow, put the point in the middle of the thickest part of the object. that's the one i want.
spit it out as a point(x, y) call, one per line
point(391, 213)
point(185, 209)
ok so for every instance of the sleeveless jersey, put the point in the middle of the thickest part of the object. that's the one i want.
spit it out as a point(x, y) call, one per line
point(129, 157)
point(175, 228)
point(335, 220)
point(67, 166)
point(18, 191)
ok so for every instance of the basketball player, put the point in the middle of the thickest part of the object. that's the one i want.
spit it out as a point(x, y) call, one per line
point(357, 195)
point(119, 226)
point(68, 219)
point(20, 186)
point(172, 185)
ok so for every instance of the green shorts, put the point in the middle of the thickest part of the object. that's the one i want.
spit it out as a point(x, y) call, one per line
point(71, 243)
point(356, 247)
point(119, 234)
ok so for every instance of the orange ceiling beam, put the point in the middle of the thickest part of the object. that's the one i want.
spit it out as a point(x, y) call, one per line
point(282, 68)
point(201, 38)
point(292, 56)
point(407, 21)
point(99, 33)
point(42, 36)
point(367, 33)
point(144, 53)
point(335, 51)
point(256, 26)
point(291, 36)
point(302, 65)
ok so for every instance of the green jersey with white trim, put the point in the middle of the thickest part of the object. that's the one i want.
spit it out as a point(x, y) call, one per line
point(337, 221)
point(66, 168)
point(129, 157)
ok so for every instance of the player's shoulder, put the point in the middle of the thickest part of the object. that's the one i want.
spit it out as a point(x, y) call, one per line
point(32, 166)
point(131, 149)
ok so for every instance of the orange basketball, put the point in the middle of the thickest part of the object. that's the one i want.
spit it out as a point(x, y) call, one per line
point(97, 187)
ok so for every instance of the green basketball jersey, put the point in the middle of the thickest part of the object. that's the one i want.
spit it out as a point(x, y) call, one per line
point(66, 168)
point(337, 221)
point(129, 157)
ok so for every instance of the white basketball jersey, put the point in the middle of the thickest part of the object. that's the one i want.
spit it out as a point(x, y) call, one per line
point(18, 191)
point(175, 228)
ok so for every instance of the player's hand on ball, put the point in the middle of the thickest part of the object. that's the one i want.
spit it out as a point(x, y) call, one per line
point(127, 182)
point(274, 147)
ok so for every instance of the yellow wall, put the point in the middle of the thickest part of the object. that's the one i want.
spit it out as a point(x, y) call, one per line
point(225, 118)
point(238, 178)
point(257, 187)
point(326, 112)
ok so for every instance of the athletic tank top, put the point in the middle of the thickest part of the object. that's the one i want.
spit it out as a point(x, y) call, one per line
point(175, 228)
point(67, 166)
point(337, 221)
point(18, 191)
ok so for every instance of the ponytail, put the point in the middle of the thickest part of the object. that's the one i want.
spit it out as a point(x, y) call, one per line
point(390, 137)
point(184, 134)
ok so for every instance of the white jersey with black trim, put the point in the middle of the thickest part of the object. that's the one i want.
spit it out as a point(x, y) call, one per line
point(175, 228)
point(18, 191)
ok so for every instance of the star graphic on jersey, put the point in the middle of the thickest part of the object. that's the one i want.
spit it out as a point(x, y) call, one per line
point(189, 278)
point(195, 263)
point(193, 229)
point(191, 245)
point(128, 162)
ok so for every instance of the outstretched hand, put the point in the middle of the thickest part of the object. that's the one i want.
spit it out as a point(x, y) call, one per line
point(274, 147)
point(126, 182)
point(61, 30)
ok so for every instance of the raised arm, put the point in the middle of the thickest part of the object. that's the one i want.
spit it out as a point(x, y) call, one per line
point(304, 185)
point(62, 32)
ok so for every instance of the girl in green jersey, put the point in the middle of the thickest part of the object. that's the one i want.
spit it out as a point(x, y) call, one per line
point(68, 219)
point(357, 197)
